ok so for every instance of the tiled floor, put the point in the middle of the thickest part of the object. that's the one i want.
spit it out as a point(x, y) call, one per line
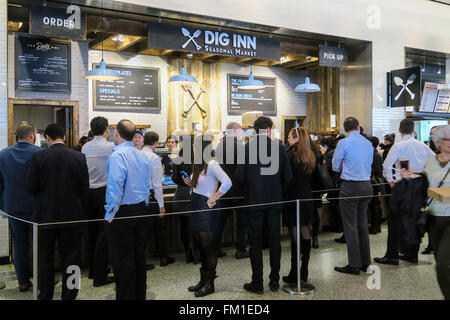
point(407, 281)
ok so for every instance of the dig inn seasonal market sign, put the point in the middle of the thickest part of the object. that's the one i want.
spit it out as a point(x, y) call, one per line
point(211, 40)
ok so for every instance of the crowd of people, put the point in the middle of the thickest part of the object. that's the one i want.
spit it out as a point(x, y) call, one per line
point(121, 184)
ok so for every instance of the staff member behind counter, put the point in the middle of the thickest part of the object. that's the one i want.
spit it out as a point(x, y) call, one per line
point(171, 143)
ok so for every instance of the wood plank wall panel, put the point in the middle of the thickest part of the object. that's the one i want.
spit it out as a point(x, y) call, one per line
point(320, 105)
point(179, 100)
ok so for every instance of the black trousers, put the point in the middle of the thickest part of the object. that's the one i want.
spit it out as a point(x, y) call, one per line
point(127, 240)
point(255, 221)
point(157, 229)
point(440, 241)
point(374, 214)
point(69, 245)
point(402, 219)
point(97, 246)
point(354, 220)
point(241, 223)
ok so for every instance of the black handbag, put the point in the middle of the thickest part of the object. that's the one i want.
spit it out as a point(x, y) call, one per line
point(426, 210)
point(325, 177)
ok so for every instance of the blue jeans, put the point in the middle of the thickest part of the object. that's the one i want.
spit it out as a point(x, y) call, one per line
point(19, 232)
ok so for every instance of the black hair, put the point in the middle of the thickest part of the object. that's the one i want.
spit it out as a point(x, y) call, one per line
point(99, 125)
point(375, 141)
point(390, 138)
point(262, 123)
point(126, 129)
point(406, 126)
point(55, 131)
point(83, 140)
point(174, 138)
point(151, 138)
point(351, 124)
point(328, 141)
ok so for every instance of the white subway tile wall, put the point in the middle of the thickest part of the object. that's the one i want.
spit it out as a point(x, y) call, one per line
point(4, 230)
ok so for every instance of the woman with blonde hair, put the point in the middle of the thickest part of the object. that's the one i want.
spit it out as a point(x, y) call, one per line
point(303, 163)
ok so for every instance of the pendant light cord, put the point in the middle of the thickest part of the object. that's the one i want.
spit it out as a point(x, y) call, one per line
point(102, 29)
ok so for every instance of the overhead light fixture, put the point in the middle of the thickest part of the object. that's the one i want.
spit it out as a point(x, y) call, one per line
point(251, 83)
point(423, 69)
point(183, 78)
point(307, 86)
point(102, 73)
point(119, 37)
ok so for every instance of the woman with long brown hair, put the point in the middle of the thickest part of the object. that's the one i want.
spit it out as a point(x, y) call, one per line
point(206, 175)
point(303, 163)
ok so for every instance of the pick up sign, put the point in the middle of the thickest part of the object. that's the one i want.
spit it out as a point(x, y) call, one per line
point(332, 56)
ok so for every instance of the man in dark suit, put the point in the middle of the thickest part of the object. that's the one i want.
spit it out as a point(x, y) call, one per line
point(228, 153)
point(266, 174)
point(58, 178)
point(14, 165)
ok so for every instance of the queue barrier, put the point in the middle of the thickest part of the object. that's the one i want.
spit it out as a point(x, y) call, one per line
point(301, 289)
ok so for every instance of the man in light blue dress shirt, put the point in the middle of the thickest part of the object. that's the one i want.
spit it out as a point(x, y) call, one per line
point(127, 193)
point(353, 157)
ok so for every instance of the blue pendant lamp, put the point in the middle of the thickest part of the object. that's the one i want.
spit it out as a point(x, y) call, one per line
point(102, 73)
point(183, 79)
point(251, 83)
point(307, 86)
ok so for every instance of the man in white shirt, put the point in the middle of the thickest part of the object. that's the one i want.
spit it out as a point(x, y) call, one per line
point(407, 196)
point(156, 193)
point(97, 153)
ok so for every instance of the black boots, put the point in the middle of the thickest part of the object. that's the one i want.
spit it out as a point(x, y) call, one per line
point(305, 254)
point(206, 284)
point(292, 276)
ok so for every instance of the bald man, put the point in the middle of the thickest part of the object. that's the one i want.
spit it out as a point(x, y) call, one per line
point(127, 194)
point(228, 152)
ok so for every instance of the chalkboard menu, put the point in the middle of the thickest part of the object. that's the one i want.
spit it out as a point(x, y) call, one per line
point(240, 101)
point(42, 65)
point(138, 89)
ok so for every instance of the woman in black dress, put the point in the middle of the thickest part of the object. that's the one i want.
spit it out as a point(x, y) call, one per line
point(303, 163)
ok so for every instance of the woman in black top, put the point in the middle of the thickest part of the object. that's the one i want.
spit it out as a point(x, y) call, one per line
point(167, 159)
point(303, 163)
point(316, 185)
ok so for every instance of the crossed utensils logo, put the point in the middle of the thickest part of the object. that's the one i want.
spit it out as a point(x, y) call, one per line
point(399, 82)
point(202, 91)
point(186, 33)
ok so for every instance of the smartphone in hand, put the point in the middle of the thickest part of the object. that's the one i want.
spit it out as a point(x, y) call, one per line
point(185, 175)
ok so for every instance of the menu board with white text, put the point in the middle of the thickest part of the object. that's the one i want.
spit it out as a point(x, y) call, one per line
point(429, 96)
point(443, 101)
